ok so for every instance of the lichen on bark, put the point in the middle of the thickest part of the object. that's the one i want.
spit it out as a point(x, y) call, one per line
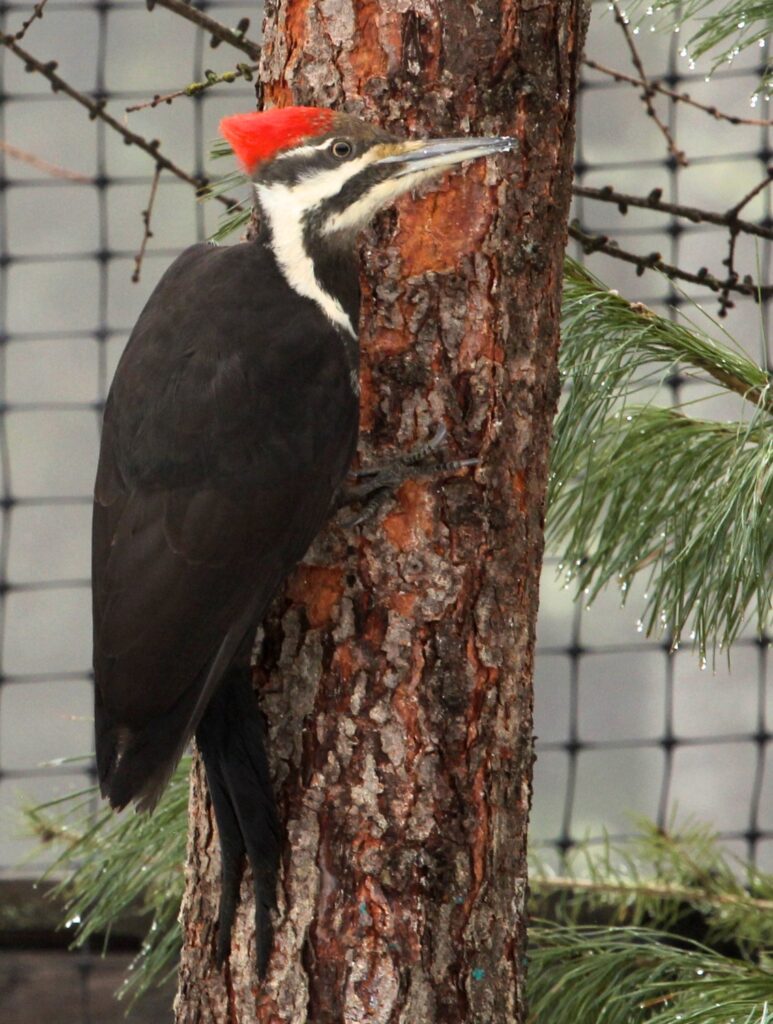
point(395, 669)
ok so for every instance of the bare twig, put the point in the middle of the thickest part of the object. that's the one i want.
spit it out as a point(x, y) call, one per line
point(53, 170)
point(729, 220)
point(220, 33)
point(96, 109)
point(735, 228)
point(678, 97)
point(37, 12)
point(654, 261)
point(147, 233)
point(240, 71)
point(653, 201)
point(647, 90)
point(759, 187)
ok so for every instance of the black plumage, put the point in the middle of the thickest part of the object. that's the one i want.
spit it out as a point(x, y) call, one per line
point(222, 448)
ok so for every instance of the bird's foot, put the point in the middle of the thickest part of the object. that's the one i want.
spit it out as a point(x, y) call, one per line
point(376, 484)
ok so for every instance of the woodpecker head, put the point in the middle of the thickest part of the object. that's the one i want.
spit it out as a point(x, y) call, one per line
point(331, 171)
point(319, 177)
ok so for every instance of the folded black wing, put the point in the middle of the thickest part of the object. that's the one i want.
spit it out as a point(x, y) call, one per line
point(229, 425)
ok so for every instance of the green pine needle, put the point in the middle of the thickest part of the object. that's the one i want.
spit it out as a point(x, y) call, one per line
point(236, 217)
point(650, 900)
point(723, 30)
point(641, 489)
point(114, 866)
point(661, 878)
point(601, 975)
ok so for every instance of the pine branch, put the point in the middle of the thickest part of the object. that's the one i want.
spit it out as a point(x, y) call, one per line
point(112, 866)
point(726, 29)
point(641, 487)
point(679, 879)
point(591, 975)
point(236, 217)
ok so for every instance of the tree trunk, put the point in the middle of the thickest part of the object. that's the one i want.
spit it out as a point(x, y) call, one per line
point(395, 670)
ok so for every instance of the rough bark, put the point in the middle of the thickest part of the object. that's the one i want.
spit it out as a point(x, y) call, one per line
point(395, 670)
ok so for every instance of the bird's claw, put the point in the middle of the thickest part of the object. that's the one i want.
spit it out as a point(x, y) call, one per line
point(378, 483)
point(410, 458)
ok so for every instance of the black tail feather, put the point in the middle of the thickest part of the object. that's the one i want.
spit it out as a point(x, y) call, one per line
point(232, 852)
point(137, 765)
point(230, 737)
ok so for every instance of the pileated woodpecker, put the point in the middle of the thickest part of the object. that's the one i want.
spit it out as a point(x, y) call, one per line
point(229, 428)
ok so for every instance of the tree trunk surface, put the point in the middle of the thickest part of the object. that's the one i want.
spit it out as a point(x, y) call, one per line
point(395, 669)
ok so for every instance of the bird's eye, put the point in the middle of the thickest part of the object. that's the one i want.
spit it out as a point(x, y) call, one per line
point(342, 148)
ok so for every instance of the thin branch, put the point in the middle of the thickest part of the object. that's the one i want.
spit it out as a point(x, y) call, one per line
point(665, 891)
point(240, 71)
point(647, 90)
point(36, 13)
point(692, 213)
point(760, 187)
point(601, 243)
point(147, 233)
point(761, 397)
point(735, 229)
point(52, 170)
point(220, 33)
point(96, 109)
point(679, 97)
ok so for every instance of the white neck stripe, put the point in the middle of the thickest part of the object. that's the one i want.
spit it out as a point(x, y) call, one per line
point(285, 219)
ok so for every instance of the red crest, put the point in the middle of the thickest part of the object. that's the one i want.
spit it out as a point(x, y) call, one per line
point(259, 135)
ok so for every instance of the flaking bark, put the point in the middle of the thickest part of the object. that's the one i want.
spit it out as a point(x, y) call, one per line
point(395, 669)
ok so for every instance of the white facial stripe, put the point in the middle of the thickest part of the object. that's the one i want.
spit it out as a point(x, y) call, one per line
point(305, 150)
point(324, 184)
point(285, 206)
point(359, 213)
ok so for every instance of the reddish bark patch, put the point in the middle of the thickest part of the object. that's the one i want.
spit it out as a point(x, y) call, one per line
point(412, 521)
point(403, 604)
point(435, 229)
point(406, 704)
point(319, 589)
point(520, 490)
point(367, 400)
point(369, 58)
point(295, 29)
point(374, 629)
point(390, 342)
point(480, 836)
point(344, 662)
point(278, 96)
